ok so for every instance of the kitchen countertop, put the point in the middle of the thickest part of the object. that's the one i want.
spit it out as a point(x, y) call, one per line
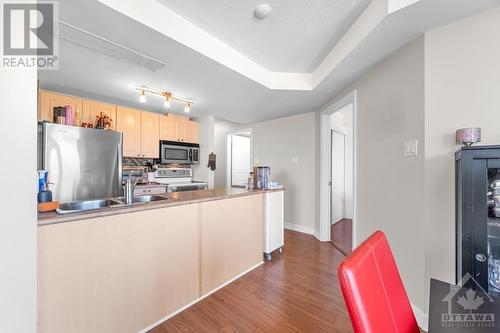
point(176, 199)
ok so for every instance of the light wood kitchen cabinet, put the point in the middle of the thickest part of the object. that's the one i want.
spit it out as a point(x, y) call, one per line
point(150, 135)
point(188, 131)
point(47, 101)
point(174, 128)
point(231, 238)
point(119, 273)
point(91, 109)
point(169, 128)
point(128, 121)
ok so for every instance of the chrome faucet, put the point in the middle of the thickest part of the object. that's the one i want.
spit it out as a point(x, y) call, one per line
point(130, 188)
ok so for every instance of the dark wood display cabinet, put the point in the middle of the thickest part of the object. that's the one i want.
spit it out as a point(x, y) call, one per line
point(478, 216)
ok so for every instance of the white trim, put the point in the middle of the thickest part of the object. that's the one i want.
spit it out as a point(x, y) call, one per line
point(421, 317)
point(198, 299)
point(325, 152)
point(300, 228)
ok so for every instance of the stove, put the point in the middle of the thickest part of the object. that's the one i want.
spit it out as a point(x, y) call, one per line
point(178, 179)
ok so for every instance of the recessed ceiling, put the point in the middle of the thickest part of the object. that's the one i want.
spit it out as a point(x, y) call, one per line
point(296, 36)
point(218, 84)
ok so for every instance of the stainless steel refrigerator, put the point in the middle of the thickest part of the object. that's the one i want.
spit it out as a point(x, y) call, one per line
point(83, 163)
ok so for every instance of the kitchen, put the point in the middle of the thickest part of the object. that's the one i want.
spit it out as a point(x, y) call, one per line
point(124, 189)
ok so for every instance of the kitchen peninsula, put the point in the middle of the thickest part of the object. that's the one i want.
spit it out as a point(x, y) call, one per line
point(127, 269)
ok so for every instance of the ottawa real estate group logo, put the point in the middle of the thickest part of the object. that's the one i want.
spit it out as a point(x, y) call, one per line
point(29, 35)
point(468, 307)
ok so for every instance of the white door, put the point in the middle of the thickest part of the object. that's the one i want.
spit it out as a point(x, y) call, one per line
point(338, 177)
point(240, 160)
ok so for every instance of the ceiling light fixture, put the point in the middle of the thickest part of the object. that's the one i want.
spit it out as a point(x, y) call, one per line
point(142, 97)
point(169, 97)
point(262, 11)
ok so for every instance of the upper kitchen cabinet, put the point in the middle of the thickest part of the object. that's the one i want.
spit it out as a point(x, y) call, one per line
point(188, 131)
point(177, 128)
point(128, 121)
point(169, 128)
point(150, 135)
point(48, 101)
point(92, 109)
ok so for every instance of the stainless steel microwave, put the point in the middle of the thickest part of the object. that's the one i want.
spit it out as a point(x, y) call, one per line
point(172, 152)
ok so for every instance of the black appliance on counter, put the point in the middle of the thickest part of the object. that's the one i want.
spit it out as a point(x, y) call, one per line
point(477, 174)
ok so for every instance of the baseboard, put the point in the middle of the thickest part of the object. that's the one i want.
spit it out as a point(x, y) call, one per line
point(300, 228)
point(150, 327)
point(421, 317)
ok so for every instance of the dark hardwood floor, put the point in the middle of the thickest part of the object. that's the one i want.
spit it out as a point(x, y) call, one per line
point(296, 292)
point(341, 236)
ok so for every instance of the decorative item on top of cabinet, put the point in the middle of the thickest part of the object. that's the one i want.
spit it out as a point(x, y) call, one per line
point(47, 101)
point(92, 109)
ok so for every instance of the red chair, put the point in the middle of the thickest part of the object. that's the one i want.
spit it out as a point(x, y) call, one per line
point(373, 290)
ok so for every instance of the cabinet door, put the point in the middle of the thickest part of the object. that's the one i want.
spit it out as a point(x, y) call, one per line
point(150, 137)
point(231, 238)
point(91, 109)
point(169, 128)
point(188, 131)
point(128, 121)
point(49, 100)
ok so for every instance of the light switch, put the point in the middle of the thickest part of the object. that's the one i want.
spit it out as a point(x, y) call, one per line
point(295, 159)
point(410, 148)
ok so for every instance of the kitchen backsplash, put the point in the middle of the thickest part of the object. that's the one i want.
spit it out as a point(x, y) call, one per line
point(129, 161)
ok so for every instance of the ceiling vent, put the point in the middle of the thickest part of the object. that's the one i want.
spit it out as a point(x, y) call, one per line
point(87, 40)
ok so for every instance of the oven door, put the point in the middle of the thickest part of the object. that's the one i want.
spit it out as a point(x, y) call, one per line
point(175, 154)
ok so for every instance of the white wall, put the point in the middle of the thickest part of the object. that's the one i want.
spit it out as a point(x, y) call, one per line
point(343, 120)
point(462, 90)
point(207, 145)
point(18, 137)
point(289, 146)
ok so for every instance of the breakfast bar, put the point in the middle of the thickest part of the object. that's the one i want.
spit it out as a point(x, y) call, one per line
point(127, 269)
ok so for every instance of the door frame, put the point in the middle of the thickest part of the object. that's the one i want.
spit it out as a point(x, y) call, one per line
point(344, 134)
point(228, 148)
point(323, 234)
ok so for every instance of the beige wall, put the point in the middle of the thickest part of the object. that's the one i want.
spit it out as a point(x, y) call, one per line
point(462, 90)
point(18, 105)
point(288, 145)
point(390, 188)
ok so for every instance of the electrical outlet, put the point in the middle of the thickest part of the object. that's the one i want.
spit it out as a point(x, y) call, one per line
point(410, 148)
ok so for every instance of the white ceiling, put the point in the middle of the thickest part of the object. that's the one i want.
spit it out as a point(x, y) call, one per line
point(296, 37)
point(220, 87)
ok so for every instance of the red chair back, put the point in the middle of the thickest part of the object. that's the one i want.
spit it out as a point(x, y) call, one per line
point(373, 290)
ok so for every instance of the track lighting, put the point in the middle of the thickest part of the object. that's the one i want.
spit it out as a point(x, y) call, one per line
point(169, 98)
point(142, 97)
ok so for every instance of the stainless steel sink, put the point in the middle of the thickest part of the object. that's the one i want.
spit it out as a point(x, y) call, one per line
point(149, 198)
point(86, 205)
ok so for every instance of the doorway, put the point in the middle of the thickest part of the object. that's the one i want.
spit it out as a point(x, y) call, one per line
point(337, 206)
point(341, 178)
point(239, 158)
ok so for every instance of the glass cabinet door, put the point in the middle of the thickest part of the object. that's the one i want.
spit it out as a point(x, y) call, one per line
point(493, 230)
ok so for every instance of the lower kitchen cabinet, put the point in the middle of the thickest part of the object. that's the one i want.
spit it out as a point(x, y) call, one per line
point(126, 272)
point(119, 273)
point(231, 238)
